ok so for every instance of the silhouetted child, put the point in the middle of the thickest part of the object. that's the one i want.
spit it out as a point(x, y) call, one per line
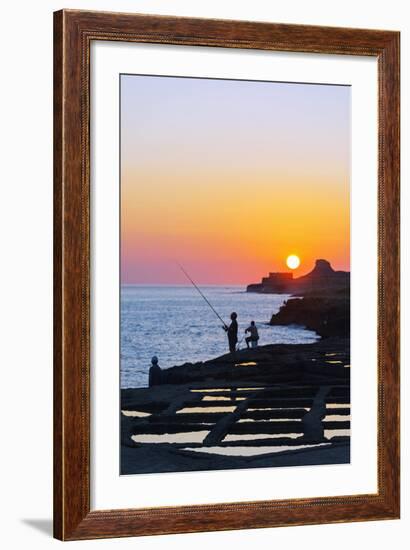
point(253, 335)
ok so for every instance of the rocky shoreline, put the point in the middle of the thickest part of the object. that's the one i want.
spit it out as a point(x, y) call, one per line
point(270, 406)
point(273, 405)
point(320, 300)
point(326, 314)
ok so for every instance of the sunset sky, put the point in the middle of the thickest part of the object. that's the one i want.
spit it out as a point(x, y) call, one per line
point(230, 177)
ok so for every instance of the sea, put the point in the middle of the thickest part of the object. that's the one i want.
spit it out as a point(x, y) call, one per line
point(178, 326)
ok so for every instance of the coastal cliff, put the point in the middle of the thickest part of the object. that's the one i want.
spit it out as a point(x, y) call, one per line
point(321, 299)
point(328, 315)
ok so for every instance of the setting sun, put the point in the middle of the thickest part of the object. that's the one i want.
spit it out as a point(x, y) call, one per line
point(293, 261)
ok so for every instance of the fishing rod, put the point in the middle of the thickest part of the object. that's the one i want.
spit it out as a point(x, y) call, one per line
point(203, 296)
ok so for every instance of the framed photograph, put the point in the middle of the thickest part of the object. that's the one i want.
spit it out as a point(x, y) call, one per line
point(226, 275)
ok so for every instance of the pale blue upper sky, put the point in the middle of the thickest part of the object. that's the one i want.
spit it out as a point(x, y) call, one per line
point(253, 124)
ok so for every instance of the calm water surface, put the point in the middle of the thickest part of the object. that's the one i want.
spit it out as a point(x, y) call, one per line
point(176, 324)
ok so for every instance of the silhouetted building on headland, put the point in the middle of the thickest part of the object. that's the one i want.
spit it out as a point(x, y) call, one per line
point(322, 277)
point(277, 281)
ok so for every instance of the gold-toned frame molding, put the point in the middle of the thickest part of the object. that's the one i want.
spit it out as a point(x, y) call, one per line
point(73, 33)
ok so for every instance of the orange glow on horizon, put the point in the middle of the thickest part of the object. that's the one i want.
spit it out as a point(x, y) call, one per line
point(233, 237)
point(229, 178)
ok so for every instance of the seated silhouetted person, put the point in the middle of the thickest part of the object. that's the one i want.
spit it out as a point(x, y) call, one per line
point(253, 335)
point(232, 331)
point(155, 373)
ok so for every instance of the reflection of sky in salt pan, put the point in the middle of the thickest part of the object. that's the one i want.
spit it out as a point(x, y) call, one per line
point(252, 451)
point(206, 409)
point(136, 414)
point(183, 437)
point(251, 437)
point(337, 418)
point(279, 409)
point(339, 433)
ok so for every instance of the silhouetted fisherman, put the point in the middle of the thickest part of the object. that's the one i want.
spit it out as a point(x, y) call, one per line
point(155, 373)
point(232, 331)
point(253, 335)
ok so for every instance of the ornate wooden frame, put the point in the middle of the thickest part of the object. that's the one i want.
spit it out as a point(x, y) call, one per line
point(73, 33)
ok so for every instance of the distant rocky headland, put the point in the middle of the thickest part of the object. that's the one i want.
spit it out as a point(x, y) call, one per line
point(322, 303)
point(322, 278)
